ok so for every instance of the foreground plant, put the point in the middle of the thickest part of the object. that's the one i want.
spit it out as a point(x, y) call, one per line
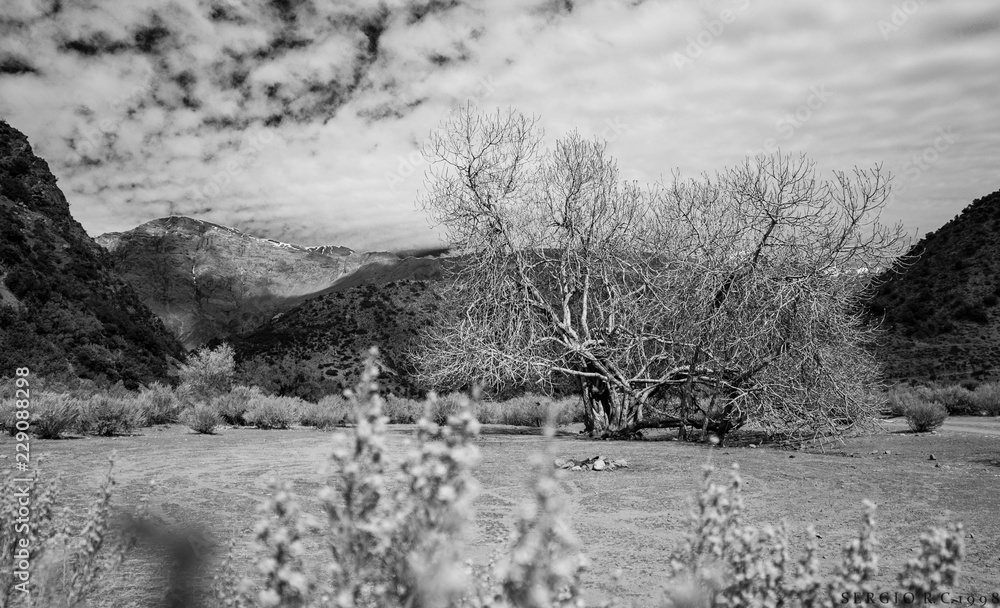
point(65, 561)
point(386, 548)
point(724, 563)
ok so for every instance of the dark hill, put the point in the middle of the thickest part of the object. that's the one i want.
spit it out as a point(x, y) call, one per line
point(942, 314)
point(64, 313)
point(316, 348)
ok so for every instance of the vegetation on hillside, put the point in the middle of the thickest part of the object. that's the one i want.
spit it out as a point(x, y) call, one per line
point(942, 315)
point(63, 312)
point(315, 349)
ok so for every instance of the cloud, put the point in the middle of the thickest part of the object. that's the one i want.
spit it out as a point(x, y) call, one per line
point(299, 120)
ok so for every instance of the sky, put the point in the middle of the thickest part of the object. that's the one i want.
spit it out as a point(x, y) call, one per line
point(302, 120)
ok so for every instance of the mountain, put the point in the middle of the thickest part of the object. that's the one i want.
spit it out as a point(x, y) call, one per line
point(209, 282)
point(941, 315)
point(317, 348)
point(64, 313)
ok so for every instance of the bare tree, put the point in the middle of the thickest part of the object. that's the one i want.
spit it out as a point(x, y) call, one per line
point(715, 301)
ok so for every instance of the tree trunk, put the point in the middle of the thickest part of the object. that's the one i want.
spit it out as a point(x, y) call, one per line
point(608, 411)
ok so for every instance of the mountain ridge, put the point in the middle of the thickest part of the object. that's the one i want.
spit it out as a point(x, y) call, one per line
point(209, 282)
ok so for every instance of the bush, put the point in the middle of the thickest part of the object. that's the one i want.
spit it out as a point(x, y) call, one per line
point(900, 397)
point(534, 410)
point(65, 560)
point(402, 410)
point(331, 411)
point(923, 416)
point(270, 412)
point(52, 414)
point(159, 404)
point(956, 399)
point(201, 418)
point(107, 416)
point(232, 406)
point(446, 406)
point(208, 373)
point(986, 399)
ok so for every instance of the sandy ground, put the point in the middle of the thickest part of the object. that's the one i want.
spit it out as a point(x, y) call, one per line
point(629, 519)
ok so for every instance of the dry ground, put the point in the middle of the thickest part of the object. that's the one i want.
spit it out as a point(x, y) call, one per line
point(629, 519)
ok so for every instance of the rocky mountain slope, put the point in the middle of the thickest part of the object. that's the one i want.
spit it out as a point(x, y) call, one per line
point(942, 315)
point(64, 313)
point(209, 282)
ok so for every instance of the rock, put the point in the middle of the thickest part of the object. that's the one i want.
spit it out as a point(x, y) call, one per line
point(559, 463)
point(887, 453)
point(576, 468)
point(937, 466)
point(752, 445)
point(931, 457)
point(599, 465)
point(791, 455)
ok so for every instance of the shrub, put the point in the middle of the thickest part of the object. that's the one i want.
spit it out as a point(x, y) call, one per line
point(443, 407)
point(65, 560)
point(201, 419)
point(270, 412)
point(374, 536)
point(534, 410)
point(725, 563)
point(527, 410)
point(986, 399)
point(52, 414)
point(159, 404)
point(402, 410)
point(106, 416)
point(208, 372)
point(923, 416)
point(232, 406)
point(331, 411)
point(956, 399)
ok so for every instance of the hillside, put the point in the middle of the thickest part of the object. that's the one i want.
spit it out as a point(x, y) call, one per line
point(209, 282)
point(63, 311)
point(942, 315)
point(316, 349)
